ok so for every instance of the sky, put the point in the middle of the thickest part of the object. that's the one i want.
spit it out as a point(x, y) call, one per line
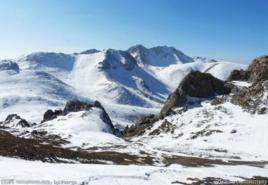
point(234, 30)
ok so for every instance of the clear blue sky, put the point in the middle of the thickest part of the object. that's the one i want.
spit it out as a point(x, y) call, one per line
point(235, 30)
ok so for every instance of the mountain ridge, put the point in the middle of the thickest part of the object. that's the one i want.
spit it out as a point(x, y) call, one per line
point(127, 82)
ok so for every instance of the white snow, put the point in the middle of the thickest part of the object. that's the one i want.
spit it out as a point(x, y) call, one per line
point(224, 131)
point(138, 79)
point(29, 172)
point(82, 129)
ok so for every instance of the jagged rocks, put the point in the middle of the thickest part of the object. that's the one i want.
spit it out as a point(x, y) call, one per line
point(9, 65)
point(195, 84)
point(75, 106)
point(50, 114)
point(258, 69)
point(70, 106)
point(254, 97)
point(165, 127)
point(256, 72)
point(14, 120)
point(140, 126)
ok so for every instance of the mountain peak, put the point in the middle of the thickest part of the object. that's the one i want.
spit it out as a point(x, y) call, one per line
point(159, 55)
point(90, 51)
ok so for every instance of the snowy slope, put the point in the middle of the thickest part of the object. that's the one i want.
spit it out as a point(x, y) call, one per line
point(83, 129)
point(31, 92)
point(28, 172)
point(128, 83)
point(223, 131)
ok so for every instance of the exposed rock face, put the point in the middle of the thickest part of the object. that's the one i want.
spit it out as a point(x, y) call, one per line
point(258, 69)
point(75, 106)
point(195, 84)
point(256, 72)
point(202, 85)
point(50, 114)
point(9, 65)
point(70, 106)
point(254, 97)
point(238, 75)
point(14, 120)
point(140, 126)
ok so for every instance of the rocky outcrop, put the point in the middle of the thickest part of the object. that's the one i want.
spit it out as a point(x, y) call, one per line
point(195, 84)
point(258, 69)
point(238, 75)
point(77, 105)
point(139, 128)
point(50, 115)
point(14, 120)
point(9, 65)
point(256, 72)
point(254, 97)
point(70, 106)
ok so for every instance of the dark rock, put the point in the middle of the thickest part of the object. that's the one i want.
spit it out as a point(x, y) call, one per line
point(262, 110)
point(202, 85)
point(70, 106)
point(75, 106)
point(250, 98)
point(165, 127)
point(256, 72)
point(258, 69)
point(38, 133)
point(50, 115)
point(12, 117)
point(238, 75)
point(195, 84)
point(9, 65)
point(233, 131)
point(140, 126)
point(23, 123)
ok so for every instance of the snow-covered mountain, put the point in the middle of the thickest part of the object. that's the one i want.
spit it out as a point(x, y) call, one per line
point(193, 111)
point(207, 117)
point(128, 83)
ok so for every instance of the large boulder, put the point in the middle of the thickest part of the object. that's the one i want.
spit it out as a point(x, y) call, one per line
point(195, 84)
point(239, 75)
point(258, 69)
point(202, 85)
